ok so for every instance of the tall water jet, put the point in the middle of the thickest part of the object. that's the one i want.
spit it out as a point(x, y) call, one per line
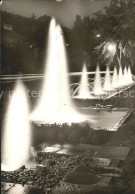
point(55, 105)
point(16, 138)
point(97, 83)
point(129, 76)
point(84, 92)
point(107, 83)
point(120, 78)
point(115, 78)
point(125, 76)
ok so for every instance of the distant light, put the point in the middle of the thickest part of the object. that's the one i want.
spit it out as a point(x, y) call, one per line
point(98, 35)
point(111, 47)
point(58, 0)
point(1, 2)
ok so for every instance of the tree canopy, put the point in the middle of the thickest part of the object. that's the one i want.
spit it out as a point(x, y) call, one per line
point(88, 39)
point(117, 25)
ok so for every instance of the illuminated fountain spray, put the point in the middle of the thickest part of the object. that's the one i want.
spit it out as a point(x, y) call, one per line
point(107, 83)
point(97, 83)
point(16, 139)
point(115, 78)
point(84, 92)
point(125, 79)
point(55, 105)
point(120, 78)
point(129, 76)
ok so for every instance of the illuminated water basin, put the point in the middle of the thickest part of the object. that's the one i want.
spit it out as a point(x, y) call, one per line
point(104, 119)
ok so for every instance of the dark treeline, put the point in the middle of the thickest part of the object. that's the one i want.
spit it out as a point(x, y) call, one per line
point(115, 24)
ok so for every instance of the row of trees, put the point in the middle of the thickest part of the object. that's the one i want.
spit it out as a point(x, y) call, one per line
point(107, 37)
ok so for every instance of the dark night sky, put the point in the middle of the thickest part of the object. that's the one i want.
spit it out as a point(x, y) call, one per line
point(64, 11)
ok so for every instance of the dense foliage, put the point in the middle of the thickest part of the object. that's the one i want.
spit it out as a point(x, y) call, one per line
point(115, 23)
point(117, 26)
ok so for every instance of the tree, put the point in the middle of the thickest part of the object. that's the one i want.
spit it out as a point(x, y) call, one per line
point(28, 56)
point(117, 27)
point(85, 40)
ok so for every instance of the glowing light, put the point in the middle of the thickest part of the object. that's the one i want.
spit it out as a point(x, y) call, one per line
point(1, 2)
point(125, 77)
point(55, 105)
point(129, 76)
point(107, 83)
point(98, 90)
point(16, 139)
point(115, 78)
point(98, 35)
point(84, 92)
point(111, 47)
point(120, 78)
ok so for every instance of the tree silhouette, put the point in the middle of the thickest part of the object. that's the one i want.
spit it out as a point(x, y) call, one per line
point(117, 25)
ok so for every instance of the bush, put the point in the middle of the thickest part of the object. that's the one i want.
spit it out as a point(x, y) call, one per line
point(70, 134)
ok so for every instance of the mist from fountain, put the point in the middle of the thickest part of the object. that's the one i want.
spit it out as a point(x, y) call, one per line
point(17, 136)
point(98, 90)
point(125, 78)
point(120, 77)
point(55, 104)
point(84, 92)
point(129, 76)
point(107, 83)
point(115, 78)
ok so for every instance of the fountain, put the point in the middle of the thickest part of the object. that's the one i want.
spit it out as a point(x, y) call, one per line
point(55, 105)
point(16, 137)
point(129, 76)
point(120, 77)
point(107, 83)
point(84, 92)
point(115, 78)
point(112, 84)
point(97, 83)
point(125, 78)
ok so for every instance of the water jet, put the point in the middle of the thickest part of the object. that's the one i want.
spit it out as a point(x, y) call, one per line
point(17, 136)
point(55, 105)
